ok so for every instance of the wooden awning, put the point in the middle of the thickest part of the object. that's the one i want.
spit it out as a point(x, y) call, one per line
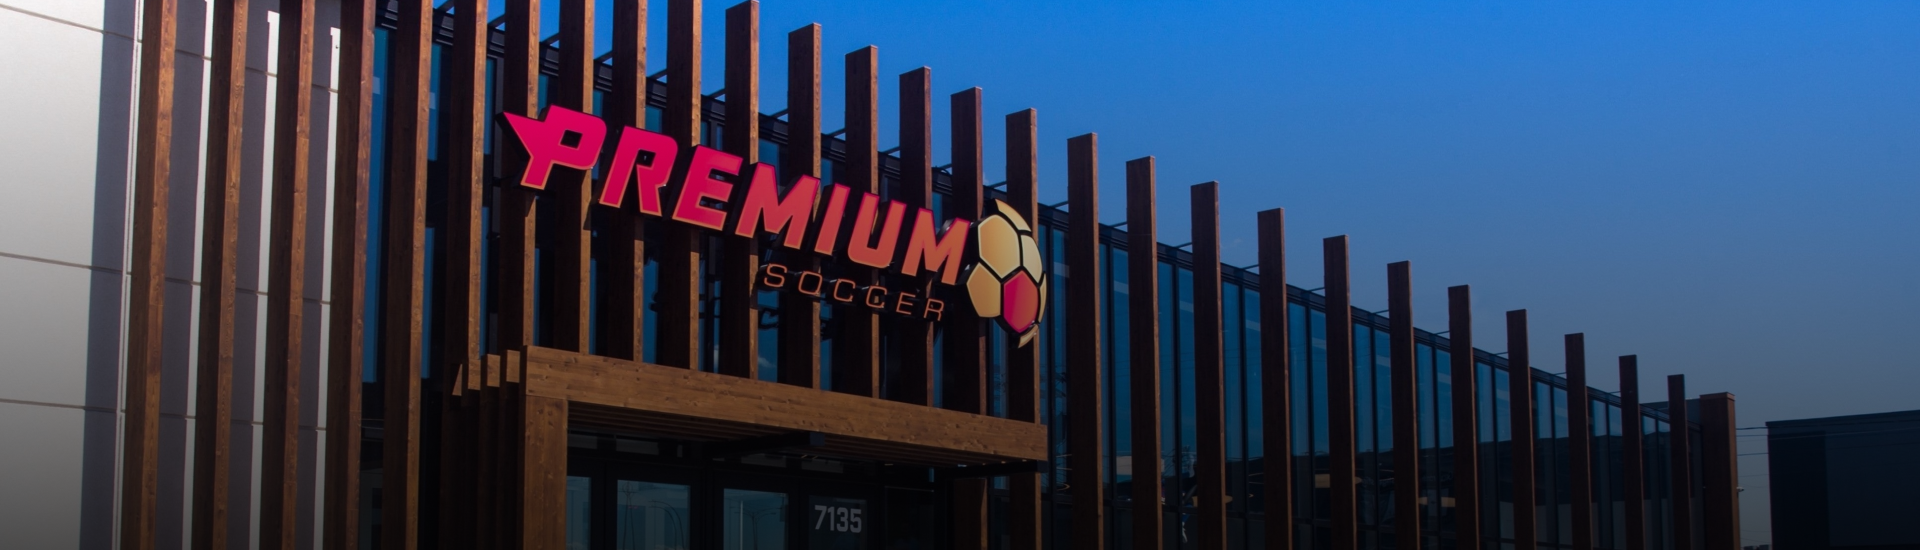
point(643, 398)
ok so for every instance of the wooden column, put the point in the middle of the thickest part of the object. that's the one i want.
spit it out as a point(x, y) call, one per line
point(856, 339)
point(1680, 451)
point(1209, 378)
point(1023, 362)
point(1406, 405)
point(623, 269)
point(1143, 346)
point(569, 189)
point(1342, 467)
point(410, 67)
point(543, 508)
point(800, 314)
point(1580, 443)
point(680, 247)
point(739, 302)
point(1633, 473)
point(286, 279)
point(966, 343)
point(1520, 398)
point(1276, 366)
point(457, 351)
point(153, 144)
point(1466, 425)
point(346, 314)
point(220, 240)
point(1721, 468)
point(914, 336)
point(1083, 321)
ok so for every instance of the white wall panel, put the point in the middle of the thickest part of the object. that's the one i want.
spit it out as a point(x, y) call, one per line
point(46, 328)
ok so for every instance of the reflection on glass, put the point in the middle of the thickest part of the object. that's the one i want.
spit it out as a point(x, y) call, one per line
point(652, 516)
point(579, 512)
point(754, 520)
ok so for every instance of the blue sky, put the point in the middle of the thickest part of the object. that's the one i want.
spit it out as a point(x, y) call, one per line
point(1725, 188)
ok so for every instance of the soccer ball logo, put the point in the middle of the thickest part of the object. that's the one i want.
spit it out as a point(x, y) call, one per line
point(1009, 283)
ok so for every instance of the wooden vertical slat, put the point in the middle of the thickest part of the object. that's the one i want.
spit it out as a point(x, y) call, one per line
point(1023, 362)
point(572, 258)
point(1579, 443)
point(517, 212)
point(966, 343)
point(1466, 412)
point(543, 474)
point(1520, 399)
point(914, 336)
point(1084, 351)
point(679, 290)
point(1721, 467)
point(1143, 347)
point(623, 270)
point(286, 279)
point(1631, 453)
point(1342, 468)
point(464, 89)
point(800, 314)
point(220, 239)
point(739, 303)
point(347, 312)
point(153, 143)
point(410, 70)
point(856, 339)
point(1407, 489)
point(1276, 365)
point(1209, 354)
point(1680, 453)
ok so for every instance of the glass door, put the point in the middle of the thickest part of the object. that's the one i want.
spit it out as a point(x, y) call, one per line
point(753, 520)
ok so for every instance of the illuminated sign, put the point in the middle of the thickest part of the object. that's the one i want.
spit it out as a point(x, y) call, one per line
point(717, 192)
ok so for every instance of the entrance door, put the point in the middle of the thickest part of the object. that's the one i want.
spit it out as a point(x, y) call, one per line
point(616, 505)
point(790, 513)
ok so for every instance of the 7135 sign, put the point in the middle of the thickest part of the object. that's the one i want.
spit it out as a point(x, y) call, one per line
point(839, 519)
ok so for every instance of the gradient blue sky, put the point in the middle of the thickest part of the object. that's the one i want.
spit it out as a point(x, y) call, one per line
point(1725, 188)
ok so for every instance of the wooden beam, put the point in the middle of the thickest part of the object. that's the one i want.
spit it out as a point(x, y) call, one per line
point(410, 69)
point(1632, 455)
point(679, 290)
point(286, 279)
point(1580, 443)
point(1466, 413)
point(1023, 362)
point(1721, 467)
point(1404, 375)
point(856, 339)
point(718, 402)
point(1143, 347)
point(739, 301)
point(146, 297)
point(1680, 469)
point(1083, 343)
point(1342, 466)
point(518, 210)
point(1209, 354)
point(800, 314)
point(966, 342)
point(1520, 413)
point(1276, 366)
point(914, 337)
point(346, 318)
point(220, 240)
point(623, 270)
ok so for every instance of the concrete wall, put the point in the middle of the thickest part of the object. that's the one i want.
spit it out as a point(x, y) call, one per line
point(66, 138)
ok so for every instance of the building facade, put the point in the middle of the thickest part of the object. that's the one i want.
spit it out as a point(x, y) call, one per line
point(1845, 481)
point(355, 274)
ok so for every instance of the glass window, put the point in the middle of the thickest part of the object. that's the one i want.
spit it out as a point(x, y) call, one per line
point(651, 516)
